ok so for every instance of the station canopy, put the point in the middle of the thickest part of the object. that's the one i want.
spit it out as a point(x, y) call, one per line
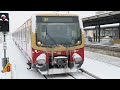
point(102, 19)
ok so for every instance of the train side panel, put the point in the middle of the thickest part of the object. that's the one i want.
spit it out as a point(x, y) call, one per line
point(28, 47)
point(26, 42)
point(22, 38)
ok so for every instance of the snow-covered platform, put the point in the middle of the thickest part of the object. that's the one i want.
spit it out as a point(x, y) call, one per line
point(112, 50)
point(103, 58)
point(18, 62)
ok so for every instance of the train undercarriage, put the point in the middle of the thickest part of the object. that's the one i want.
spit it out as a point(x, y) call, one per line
point(57, 65)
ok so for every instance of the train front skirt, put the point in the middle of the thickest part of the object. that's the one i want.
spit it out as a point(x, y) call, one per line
point(58, 71)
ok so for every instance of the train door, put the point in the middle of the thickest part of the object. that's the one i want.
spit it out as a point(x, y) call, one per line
point(27, 39)
point(26, 29)
point(24, 38)
point(29, 50)
point(20, 38)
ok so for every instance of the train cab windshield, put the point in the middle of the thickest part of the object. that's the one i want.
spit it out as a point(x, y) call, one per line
point(60, 30)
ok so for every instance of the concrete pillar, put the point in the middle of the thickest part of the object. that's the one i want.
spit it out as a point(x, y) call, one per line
point(119, 30)
point(96, 33)
point(99, 33)
point(94, 37)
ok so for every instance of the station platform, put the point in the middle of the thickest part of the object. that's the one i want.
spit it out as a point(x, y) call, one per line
point(112, 50)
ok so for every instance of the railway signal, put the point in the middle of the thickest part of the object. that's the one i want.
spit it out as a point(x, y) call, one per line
point(4, 22)
point(4, 27)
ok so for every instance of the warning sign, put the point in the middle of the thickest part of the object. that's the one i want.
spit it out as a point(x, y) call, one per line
point(7, 68)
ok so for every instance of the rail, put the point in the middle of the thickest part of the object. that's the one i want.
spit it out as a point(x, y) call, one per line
point(94, 76)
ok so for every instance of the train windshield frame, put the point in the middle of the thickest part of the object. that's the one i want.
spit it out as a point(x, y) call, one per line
point(65, 32)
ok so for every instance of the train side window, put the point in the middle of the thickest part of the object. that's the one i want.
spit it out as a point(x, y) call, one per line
point(30, 32)
point(22, 34)
point(18, 35)
point(27, 34)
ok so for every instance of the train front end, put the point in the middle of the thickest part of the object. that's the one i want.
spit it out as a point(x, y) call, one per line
point(57, 43)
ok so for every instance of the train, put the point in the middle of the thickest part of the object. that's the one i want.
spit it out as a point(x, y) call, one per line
point(52, 43)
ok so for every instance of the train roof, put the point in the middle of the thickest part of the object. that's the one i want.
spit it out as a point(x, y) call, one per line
point(56, 14)
point(51, 14)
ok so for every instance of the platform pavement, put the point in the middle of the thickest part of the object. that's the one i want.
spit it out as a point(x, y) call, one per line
point(103, 58)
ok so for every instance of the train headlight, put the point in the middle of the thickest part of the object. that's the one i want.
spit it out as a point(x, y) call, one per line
point(41, 59)
point(39, 43)
point(77, 58)
point(78, 42)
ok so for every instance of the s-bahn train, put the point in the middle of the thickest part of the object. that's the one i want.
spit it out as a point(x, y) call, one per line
point(52, 43)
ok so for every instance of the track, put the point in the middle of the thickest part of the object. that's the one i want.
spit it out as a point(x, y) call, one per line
point(48, 77)
point(45, 76)
point(72, 76)
point(88, 73)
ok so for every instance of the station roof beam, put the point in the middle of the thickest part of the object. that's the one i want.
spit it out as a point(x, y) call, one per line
point(102, 19)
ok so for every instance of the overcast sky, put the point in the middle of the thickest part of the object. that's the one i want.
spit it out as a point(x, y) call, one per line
point(17, 18)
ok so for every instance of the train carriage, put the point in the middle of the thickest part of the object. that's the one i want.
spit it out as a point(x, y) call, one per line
point(52, 43)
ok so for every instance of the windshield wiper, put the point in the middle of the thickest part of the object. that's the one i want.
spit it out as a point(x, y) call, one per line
point(51, 37)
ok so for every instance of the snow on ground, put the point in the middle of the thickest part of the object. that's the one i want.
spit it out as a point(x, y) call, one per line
point(102, 70)
point(104, 58)
point(81, 75)
point(94, 63)
point(59, 76)
point(3, 75)
point(117, 45)
point(19, 66)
